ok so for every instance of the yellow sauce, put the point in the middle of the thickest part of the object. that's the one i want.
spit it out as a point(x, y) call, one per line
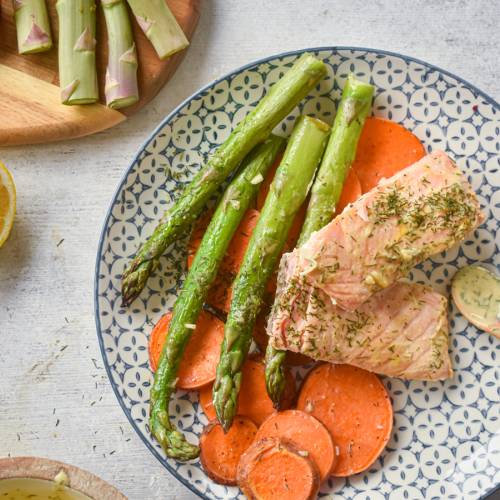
point(476, 293)
point(37, 489)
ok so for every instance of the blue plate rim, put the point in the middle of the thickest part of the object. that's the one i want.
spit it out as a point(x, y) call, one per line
point(335, 48)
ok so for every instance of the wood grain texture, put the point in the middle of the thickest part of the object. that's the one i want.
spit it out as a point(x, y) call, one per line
point(31, 111)
point(36, 116)
point(59, 403)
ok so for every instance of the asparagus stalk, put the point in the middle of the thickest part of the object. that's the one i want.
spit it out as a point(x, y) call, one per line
point(225, 221)
point(77, 70)
point(354, 107)
point(253, 129)
point(288, 192)
point(121, 74)
point(160, 26)
point(33, 27)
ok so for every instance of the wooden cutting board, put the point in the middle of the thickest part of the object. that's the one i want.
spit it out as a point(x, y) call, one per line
point(30, 108)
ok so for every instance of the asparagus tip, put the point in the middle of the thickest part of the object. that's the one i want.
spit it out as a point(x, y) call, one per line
point(134, 279)
point(224, 409)
point(180, 449)
point(173, 442)
point(126, 301)
point(128, 293)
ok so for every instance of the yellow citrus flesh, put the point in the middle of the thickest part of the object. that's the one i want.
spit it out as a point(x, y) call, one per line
point(7, 203)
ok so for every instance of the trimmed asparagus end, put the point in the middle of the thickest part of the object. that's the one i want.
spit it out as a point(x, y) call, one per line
point(77, 68)
point(121, 74)
point(118, 95)
point(33, 28)
point(68, 91)
point(160, 26)
point(36, 41)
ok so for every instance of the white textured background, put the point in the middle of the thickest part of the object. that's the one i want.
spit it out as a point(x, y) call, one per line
point(55, 399)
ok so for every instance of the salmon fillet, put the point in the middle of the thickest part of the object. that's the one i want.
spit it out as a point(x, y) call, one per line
point(401, 331)
point(422, 210)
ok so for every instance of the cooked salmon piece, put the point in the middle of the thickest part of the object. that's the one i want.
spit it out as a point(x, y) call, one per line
point(422, 210)
point(401, 331)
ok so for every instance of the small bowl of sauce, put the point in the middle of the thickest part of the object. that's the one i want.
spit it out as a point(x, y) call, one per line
point(33, 478)
point(476, 293)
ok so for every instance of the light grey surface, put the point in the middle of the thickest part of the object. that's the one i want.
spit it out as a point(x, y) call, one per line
point(55, 399)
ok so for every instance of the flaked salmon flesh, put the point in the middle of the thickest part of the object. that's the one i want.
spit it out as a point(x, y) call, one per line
point(339, 298)
point(401, 331)
point(422, 210)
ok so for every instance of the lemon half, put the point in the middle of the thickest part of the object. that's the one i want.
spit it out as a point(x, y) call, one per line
point(7, 203)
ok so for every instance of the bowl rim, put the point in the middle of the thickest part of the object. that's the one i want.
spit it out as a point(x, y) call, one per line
point(80, 480)
point(332, 48)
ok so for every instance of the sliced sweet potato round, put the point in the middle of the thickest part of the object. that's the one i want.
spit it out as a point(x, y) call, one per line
point(220, 452)
point(307, 433)
point(200, 358)
point(354, 406)
point(253, 401)
point(274, 468)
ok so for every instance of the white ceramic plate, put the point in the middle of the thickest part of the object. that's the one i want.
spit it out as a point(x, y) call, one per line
point(446, 438)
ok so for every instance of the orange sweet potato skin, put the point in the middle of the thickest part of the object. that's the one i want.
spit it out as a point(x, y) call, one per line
point(307, 432)
point(222, 468)
point(354, 406)
point(199, 360)
point(278, 449)
point(384, 148)
point(253, 400)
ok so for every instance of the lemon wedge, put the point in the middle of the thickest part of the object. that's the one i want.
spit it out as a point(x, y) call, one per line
point(7, 203)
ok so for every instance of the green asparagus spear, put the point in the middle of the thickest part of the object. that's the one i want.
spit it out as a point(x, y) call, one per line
point(77, 70)
point(225, 221)
point(354, 107)
point(339, 155)
point(32, 25)
point(160, 26)
point(288, 192)
point(121, 73)
point(253, 129)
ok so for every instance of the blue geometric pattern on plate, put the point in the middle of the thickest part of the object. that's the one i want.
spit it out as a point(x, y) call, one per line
point(446, 439)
